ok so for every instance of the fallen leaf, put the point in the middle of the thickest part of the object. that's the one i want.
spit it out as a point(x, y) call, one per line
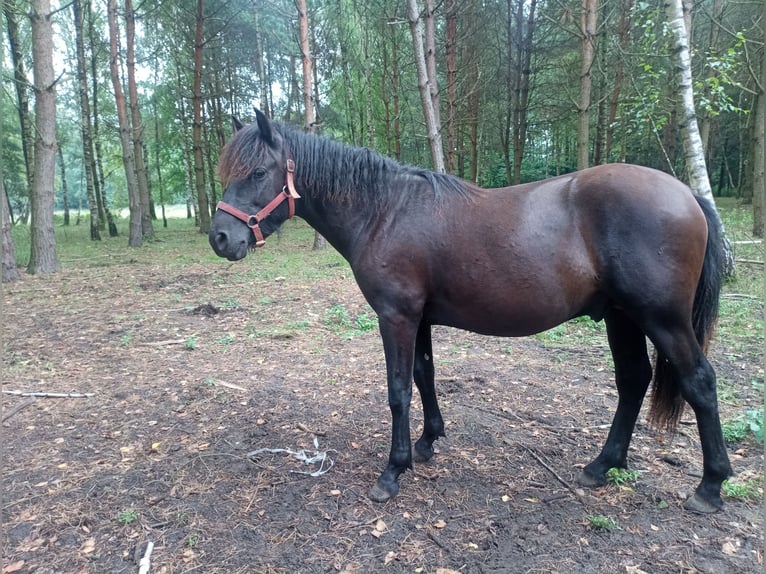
point(335, 492)
point(390, 556)
point(634, 570)
point(88, 546)
point(439, 524)
point(505, 498)
point(381, 526)
point(14, 567)
point(446, 571)
point(730, 548)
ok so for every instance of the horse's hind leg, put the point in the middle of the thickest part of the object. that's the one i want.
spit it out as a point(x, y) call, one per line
point(633, 372)
point(423, 373)
point(697, 384)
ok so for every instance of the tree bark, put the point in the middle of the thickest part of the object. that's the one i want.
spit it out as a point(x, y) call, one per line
point(85, 122)
point(42, 233)
point(203, 210)
point(8, 269)
point(432, 128)
point(135, 237)
point(137, 125)
point(588, 20)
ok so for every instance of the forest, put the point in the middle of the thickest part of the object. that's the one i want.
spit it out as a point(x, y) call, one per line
point(143, 93)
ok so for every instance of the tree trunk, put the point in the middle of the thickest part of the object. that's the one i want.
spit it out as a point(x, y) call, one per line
point(203, 210)
point(433, 84)
point(87, 142)
point(42, 233)
point(588, 20)
point(260, 68)
point(524, 58)
point(8, 269)
point(135, 237)
point(137, 134)
point(308, 105)
point(690, 136)
point(98, 163)
point(759, 145)
point(64, 189)
point(432, 128)
point(623, 37)
point(22, 93)
point(450, 50)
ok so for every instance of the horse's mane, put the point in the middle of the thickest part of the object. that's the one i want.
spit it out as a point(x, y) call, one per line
point(336, 171)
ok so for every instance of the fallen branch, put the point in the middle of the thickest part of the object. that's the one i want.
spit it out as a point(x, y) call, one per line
point(13, 410)
point(43, 395)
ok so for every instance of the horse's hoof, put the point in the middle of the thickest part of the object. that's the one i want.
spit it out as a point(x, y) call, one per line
point(379, 493)
point(422, 455)
point(696, 503)
point(585, 479)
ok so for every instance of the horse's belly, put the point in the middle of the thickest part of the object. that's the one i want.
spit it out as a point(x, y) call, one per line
point(500, 321)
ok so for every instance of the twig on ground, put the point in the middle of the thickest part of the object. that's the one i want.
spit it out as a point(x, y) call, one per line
point(145, 564)
point(16, 408)
point(304, 428)
point(554, 473)
point(44, 395)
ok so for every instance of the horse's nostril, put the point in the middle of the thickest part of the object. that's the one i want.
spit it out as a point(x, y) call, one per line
point(221, 238)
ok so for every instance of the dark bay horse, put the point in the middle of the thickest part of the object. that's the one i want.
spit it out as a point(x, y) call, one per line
point(626, 244)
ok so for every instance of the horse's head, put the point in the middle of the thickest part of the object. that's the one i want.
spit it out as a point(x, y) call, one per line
point(258, 196)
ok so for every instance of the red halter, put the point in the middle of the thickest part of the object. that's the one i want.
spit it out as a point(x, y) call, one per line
point(253, 221)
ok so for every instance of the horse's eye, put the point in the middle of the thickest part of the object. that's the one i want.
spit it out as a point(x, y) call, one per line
point(259, 172)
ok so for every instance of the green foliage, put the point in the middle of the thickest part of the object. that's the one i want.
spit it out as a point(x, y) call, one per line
point(127, 516)
point(737, 430)
point(751, 490)
point(601, 522)
point(622, 476)
point(190, 343)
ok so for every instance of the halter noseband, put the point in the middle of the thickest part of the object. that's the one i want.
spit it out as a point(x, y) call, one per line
point(253, 221)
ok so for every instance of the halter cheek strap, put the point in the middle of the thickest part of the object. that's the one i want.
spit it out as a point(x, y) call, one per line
point(253, 221)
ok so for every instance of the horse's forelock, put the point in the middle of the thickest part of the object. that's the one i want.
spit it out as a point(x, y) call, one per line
point(240, 156)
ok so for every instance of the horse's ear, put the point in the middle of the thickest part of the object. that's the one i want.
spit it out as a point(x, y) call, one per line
point(237, 124)
point(264, 126)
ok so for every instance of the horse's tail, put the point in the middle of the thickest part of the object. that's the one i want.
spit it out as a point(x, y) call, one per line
point(667, 403)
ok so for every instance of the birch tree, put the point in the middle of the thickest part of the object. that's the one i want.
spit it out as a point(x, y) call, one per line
point(203, 211)
point(691, 142)
point(432, 128)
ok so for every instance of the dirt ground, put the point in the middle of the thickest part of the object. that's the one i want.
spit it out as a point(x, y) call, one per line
point(192, 366)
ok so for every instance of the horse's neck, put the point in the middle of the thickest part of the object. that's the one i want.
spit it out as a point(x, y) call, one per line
point(336, 221)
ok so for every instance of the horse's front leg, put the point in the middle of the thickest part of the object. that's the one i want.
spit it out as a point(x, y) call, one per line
point(398, 335)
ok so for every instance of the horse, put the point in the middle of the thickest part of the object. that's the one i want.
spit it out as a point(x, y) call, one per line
point(626, 244)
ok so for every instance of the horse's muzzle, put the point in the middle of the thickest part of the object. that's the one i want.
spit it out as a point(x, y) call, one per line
point(225, 246)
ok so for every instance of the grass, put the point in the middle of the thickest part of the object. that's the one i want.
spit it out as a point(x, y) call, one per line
point(749, 491)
